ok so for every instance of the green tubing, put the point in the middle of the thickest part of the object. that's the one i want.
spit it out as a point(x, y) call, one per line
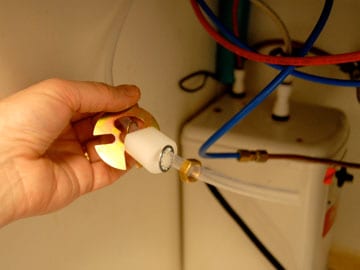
point(226, 60)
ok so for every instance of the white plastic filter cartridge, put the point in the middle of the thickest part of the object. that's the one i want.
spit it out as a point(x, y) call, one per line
point(151, 148)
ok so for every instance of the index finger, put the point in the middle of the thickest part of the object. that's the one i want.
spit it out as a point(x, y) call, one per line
point(92, 97)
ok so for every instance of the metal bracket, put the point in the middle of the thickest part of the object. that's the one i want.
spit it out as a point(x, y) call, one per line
point(113, 153)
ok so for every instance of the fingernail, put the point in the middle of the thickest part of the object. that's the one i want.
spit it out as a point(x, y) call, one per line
point(130, 90)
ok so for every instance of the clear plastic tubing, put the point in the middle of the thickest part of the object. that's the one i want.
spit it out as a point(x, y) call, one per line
point(222, 181)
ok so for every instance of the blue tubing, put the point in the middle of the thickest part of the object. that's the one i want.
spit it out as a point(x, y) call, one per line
point(267, 90)
point(306, 76)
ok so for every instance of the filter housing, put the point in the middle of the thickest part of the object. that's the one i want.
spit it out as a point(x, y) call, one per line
point(298, 235)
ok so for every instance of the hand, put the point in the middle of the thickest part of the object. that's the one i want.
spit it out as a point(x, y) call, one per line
point(45, 132)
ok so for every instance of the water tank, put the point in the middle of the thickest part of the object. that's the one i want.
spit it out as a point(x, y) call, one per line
point(298, 235)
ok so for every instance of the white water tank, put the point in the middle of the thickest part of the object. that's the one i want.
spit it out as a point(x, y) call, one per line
point(299, 235)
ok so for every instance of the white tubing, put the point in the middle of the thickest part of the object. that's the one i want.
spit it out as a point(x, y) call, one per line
point(265, 193)
point(146, 147)
point(261, 192)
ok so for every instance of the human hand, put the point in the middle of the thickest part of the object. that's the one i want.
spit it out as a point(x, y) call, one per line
point(46, 130)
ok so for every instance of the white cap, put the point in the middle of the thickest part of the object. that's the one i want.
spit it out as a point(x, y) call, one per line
point(147, 147)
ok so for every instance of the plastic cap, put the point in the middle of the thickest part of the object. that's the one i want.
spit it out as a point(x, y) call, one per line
point(146, 146)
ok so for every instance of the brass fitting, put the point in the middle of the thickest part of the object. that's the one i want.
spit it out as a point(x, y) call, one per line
point(190, 170)
point(113, 153)
point(257, 155)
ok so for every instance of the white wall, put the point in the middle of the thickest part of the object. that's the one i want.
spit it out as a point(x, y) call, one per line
point(340, 35)
point(134, 224)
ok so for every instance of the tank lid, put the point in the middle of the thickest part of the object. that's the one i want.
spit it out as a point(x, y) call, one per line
point(310, 130)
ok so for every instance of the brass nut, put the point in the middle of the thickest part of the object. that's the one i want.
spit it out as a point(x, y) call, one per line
point(184, 170)
point(257, 155)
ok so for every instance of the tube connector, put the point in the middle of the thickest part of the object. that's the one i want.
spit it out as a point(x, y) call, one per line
point(239, 83)
point(257, 155)
point(190, 170)
point(281, 109)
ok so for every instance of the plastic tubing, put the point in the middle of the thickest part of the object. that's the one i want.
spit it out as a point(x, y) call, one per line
point(295, 61)
point(247, 189)
point(240, 16)
point(232, 38)
point(238, 186)
point(275, 17)
point(266, 91)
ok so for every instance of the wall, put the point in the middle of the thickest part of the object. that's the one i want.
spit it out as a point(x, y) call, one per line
point(340, 35)
point(133, 224)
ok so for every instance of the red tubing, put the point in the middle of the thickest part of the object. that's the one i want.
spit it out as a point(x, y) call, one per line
point(277, 60)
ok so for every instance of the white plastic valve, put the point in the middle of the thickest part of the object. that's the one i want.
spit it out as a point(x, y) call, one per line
point(239, 83)
point(281, 106)
point(148, 147)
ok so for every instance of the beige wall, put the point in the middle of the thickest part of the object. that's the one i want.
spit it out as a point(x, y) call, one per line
point(133, 224)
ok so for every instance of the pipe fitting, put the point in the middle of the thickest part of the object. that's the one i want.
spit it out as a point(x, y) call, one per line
point(190, 170)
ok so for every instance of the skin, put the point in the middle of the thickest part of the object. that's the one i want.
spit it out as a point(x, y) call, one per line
point(46, 130)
